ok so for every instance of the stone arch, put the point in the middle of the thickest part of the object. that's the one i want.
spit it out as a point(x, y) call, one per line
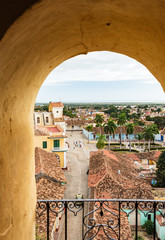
point(44, 36)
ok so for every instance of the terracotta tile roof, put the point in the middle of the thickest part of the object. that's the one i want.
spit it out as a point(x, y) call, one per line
point(106, 182)
point(152, 155)
point(46, 130)
point(47, 189)
point(41, 131)
point(59, 119)
point(163, 131)
point(49, 177)
point(105, 177)
point(133, 156)
point(137, 129)
point(159, 219)
point(73, 122)
point(54, 129)
point(57, 104)
point(125, 230)
point(46, 163)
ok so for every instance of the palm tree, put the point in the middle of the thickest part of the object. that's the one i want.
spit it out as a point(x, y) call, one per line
point(101, 141)
point(139, 137)
point(121, 121)
point(130, 130)
point(109, 128)
point(155, 130)
point(89, 128)
point(99, 120)
point(148, 135)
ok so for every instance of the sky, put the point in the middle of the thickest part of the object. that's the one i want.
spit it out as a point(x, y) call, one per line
point(101, 77)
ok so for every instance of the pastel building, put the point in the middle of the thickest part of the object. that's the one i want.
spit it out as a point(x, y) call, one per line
point(43, 118)
point(52, 139)
point(161, 136)
point(75, 125)
point(53, 117)
point(116, 137)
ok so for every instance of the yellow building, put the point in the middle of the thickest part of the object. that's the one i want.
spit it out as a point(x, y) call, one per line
point(52, 138)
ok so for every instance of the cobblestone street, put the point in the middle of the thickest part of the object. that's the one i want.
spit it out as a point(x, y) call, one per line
point(77, 179)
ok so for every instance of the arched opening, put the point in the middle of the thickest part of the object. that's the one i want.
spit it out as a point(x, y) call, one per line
point(42, 38)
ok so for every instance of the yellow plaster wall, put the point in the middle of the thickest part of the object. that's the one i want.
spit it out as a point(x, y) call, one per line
point(46, 35)
point(38, 142)
point(61, 155)
point(50, 107)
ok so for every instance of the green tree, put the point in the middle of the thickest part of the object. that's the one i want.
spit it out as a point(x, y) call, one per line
point(159, 110)
point(89, 128)
point(149, 226)
point(139, 137)
point(101, 140)
point(99, 120)
point(139, 238)
point(121, 120)
point(160, 172)
point(130, 130)
point(109, 128)
point(148, 133)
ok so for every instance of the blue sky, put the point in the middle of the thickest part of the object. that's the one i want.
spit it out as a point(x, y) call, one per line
point(101, 77)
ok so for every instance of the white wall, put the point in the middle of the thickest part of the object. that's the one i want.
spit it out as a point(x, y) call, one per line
point(57, 112)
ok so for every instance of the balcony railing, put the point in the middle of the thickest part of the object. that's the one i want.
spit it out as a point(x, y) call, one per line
point(101, 219)
point(60, 149)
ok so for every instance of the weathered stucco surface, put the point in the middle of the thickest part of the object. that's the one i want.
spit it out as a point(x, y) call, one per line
point(47, 34)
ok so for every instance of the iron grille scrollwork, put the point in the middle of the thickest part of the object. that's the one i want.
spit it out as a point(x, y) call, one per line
point(101, 219)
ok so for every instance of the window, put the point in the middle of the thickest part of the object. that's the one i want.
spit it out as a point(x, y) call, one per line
point(38, 120)
point(47, 119)
point(57, 143)
point(44, 144)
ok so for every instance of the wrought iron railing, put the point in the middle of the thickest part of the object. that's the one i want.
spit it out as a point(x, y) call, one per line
point(100, 219)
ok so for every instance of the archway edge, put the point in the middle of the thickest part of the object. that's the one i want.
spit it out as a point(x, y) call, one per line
point(42, 38)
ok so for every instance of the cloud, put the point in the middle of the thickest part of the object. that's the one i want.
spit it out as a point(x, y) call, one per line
point(99, 66)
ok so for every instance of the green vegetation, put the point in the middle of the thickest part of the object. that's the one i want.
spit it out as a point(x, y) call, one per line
point(42, 108)
point(148, 226)
point(138, 122)
point(112, 111)
point(159, 121)
point(68, 112)
point(89, 128)
point(99, 120)
point(115, 144)
point(160, 172)
point(140, 137)
point(121, 120)
point(148, 133)
point(139, 238)
point(130, 130)
point(158, 148)
point(109, 128)
point(101, 142)
point(124, 150)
